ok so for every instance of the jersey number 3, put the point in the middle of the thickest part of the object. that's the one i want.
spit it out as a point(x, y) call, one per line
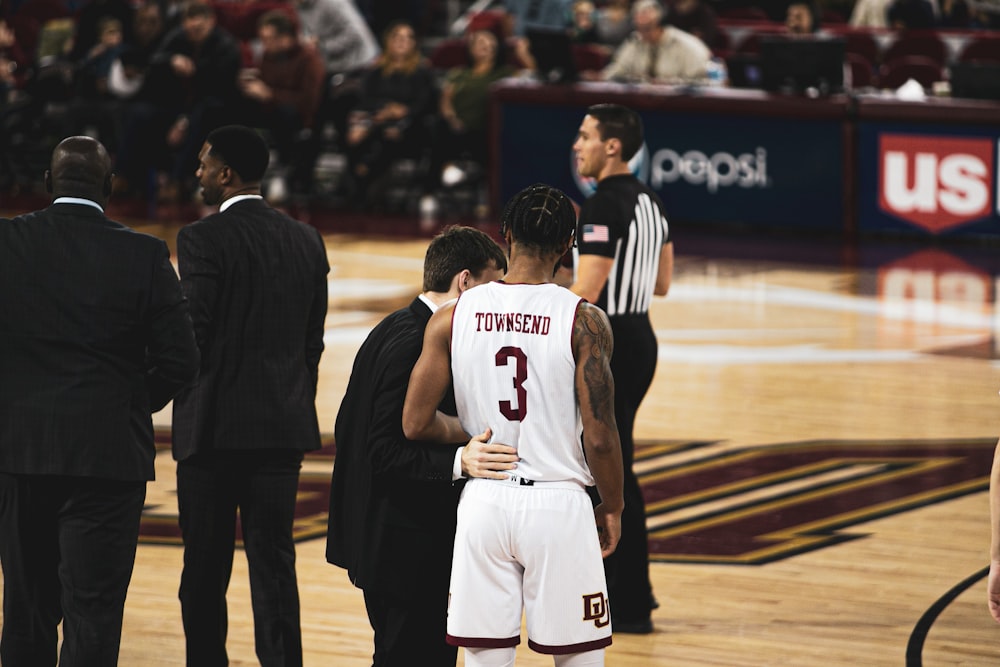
point(515, 413)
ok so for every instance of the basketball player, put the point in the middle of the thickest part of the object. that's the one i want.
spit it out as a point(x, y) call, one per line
point(625, 256)
point(530, 361)
point(993, 582)
point(392, 500)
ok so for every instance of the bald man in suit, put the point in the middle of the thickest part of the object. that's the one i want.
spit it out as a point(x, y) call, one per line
point(95, 336)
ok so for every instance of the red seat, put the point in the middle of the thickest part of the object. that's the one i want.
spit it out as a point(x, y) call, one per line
point(494, 20)
point(897, 72)
point(862, 43)
point(862, 70)
point(240, 19)
point(981, 49)
point(449, 53)
point(830, 16)
point(723, 44)
point(588, 57)
point(917, 43)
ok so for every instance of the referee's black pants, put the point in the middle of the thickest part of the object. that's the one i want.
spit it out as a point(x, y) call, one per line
point(627, 569)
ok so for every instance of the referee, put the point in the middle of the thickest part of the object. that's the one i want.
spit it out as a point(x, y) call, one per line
point(625, 255)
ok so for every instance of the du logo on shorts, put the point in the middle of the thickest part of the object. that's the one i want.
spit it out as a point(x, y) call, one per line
point(595, 608)
point(639, 166)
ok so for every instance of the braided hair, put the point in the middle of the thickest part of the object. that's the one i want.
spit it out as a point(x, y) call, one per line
point(539, 217)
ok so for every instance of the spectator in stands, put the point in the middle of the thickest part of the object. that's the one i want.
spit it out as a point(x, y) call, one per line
point(460, 128)
point(801, 18)
point(89, 21)
point(656, 53)
point(347, 45)
point(282, 96)
point(959, 14)
point(190, 89)
point(92, 72)
point(93, 109)
point(911, 15)
point(15, 110)
point(584, 25)
point(390, 121)
point(127, 73)
point(339, 32)
point(525, 16)
point(870, 14)
point(614, 22)
point(697, 18)
point(14, 65)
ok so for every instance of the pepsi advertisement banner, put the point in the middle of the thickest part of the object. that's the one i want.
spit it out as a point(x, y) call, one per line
point(928, 180)
point(706, 168)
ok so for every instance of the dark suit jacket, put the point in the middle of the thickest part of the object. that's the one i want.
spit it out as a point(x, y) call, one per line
point(94, 337)
point(392, 501)
point(256, 282)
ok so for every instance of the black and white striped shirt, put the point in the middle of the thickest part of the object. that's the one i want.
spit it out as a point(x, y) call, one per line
point(624, 220)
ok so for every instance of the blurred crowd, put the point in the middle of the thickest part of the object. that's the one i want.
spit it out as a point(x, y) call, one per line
point(375, 82)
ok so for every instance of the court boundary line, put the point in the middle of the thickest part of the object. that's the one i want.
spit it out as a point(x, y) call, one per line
point(915, 646)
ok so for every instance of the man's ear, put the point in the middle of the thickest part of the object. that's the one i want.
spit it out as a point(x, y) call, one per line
point(463, 280)
point(48, 181)
point(227, 175)
point(108, 185)
point(614, 147)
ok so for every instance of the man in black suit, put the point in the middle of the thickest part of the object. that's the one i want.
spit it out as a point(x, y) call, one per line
point(94, 337)
point(256, 281)
point(393, 501)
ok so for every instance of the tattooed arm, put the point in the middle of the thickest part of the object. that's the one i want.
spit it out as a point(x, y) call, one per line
point(595, 390)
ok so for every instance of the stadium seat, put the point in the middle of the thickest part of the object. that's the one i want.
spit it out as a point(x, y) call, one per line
point(926, 44)
point(981, 49)
point(862, 43)
point(450, 53)
point(894, 74)
point(590, 57)
point(862, 70)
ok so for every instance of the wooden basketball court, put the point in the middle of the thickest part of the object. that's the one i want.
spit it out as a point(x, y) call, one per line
point(815, 454)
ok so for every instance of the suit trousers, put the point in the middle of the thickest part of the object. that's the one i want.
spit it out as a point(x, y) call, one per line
point(410, 630)
point(633, 364)
point(67, 546)
point(262, 486)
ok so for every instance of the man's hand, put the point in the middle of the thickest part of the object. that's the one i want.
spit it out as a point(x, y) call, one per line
point(183, 66)
point(483, 459)
point(993, 590)
point(256, 89)
point(609, 529)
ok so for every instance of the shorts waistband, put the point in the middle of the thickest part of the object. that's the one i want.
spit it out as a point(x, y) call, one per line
point(517, 480)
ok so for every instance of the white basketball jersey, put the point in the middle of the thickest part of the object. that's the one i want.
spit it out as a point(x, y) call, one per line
point(513, 369)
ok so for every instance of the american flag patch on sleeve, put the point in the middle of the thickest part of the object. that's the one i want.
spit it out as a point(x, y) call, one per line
point(595, 233)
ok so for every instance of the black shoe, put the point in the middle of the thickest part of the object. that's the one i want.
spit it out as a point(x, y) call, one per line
point(644, 627)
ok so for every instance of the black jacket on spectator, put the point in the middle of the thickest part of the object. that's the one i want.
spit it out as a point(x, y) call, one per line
point(217, 62)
